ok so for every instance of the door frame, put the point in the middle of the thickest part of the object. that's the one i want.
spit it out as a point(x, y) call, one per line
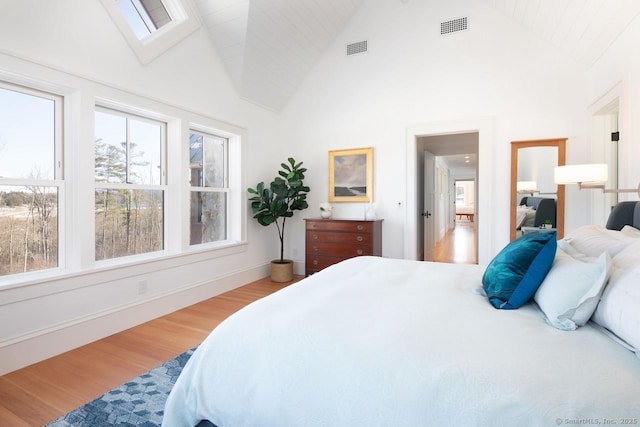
point(486, 241)
point(610, 104)
point(428, 253)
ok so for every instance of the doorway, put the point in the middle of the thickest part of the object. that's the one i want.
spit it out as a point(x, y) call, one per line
point(486, 240)
point(609, 127)
point(604, 148)
point(448, 159)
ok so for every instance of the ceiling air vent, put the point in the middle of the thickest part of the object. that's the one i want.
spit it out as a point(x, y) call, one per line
point(453, 26)
point(356, 48)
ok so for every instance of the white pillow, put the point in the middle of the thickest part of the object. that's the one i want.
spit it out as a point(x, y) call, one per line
point(573, 252)
point(571, 290)
point(593, 240)
point(628, 230)
point(529, 216)
point(521, 215)
point(619, 307)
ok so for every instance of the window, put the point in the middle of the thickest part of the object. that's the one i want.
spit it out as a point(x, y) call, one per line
point(151, 27)
point(459, 194)
point(465, 192)
point(129, 184)
point(143, 16)
point(208, 179)
point(31, 181)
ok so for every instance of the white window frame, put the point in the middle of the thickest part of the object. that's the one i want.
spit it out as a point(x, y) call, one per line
point(236, 202)
point(163, 186)
point(58, 180)
point(224, 189)
point(143, 15)
point(184, 21)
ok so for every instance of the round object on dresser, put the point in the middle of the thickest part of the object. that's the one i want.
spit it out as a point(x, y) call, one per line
point(325, 210)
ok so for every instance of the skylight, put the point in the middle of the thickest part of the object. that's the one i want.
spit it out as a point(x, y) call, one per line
point(151, 27)
point(143, 16)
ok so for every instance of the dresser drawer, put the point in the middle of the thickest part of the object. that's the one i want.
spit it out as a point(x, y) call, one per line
point(338, 249)
point(313, 264)
point(329, 241)
point(341, 226)
point(330, 237)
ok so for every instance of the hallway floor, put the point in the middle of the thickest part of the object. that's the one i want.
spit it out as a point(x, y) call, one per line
point(458, 245)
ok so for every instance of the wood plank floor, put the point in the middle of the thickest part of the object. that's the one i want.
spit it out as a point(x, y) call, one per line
point(40, 393)
point(458, 245)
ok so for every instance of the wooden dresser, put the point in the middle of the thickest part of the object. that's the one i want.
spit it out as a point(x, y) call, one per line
point(329, 241)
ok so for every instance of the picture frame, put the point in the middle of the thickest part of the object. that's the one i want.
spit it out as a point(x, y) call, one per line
point(351, 175)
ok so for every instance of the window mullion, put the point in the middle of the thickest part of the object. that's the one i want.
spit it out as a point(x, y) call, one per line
point(226, 164)
point(32, 182)
point(59, 138)
point(127, 166)
point(210, 189)
point(127, 186)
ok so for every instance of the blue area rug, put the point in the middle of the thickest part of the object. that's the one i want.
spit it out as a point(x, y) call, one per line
point(139, 402)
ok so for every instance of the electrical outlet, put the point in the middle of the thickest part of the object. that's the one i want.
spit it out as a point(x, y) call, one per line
point(142, 287)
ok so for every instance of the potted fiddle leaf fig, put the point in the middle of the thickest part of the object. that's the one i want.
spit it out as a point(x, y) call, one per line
point(274, 204)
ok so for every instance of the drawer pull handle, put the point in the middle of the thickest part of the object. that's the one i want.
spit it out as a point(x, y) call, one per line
point(315, 262)
point(359, 251)
point(359, 238)
point(315, 237)
point(315, 249)
point(360, 227)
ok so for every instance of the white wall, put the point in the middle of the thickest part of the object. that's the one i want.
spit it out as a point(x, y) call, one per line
point(73, 46)
point(411, 76)
point(536, 164)
point(618, 70)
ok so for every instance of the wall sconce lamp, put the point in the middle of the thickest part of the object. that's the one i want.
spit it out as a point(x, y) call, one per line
point(588, 176)
point(526, 187)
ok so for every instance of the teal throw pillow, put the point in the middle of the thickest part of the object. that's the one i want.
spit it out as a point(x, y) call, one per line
point(513, 276)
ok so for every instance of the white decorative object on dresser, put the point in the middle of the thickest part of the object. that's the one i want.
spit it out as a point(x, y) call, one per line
point(329, 241)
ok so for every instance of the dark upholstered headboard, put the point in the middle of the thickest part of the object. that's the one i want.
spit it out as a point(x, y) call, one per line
point(545, 209)
point(624, 213)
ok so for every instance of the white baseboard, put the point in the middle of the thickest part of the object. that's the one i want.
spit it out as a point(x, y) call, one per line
point(50, 342)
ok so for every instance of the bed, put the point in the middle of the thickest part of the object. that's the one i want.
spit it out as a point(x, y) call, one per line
point(384, 342)
point(465, 211)
point(534, 212)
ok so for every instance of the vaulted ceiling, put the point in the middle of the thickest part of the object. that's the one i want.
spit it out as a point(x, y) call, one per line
point(269, 46)
point(584, 29)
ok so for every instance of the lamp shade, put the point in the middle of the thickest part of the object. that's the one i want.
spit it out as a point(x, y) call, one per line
point(573, 174)
point(526, 186)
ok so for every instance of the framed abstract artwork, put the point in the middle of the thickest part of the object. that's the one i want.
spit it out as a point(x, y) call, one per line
point(351, 175)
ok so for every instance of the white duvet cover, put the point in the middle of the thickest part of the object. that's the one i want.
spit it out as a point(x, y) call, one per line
point(381, 342)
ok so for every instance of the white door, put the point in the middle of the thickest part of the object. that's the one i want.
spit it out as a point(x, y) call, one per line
point(428, 209)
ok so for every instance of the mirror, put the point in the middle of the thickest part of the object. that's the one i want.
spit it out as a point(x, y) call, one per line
point(532, 164)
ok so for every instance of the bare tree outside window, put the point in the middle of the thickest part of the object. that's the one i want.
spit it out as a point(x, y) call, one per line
point(129, 197)
point(129, 186)
point(208, 163)
point(30, 179)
